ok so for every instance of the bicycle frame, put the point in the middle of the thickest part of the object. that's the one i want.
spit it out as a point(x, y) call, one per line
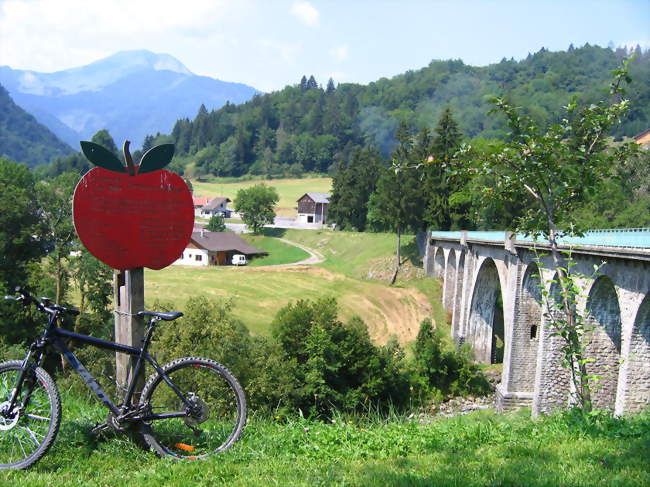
point(54, 335)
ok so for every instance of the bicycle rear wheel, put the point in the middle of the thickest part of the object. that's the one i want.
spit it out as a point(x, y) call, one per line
point(27, 434)
point(211, 425)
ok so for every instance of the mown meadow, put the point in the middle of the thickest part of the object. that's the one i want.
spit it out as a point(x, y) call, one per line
point(258, 291)
point(289, 190)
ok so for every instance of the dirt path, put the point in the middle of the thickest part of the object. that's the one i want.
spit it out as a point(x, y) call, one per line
point(315, 257)
point(387, 311)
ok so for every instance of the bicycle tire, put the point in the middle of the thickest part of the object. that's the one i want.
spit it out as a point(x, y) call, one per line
point(27, 436)
point(217, 421)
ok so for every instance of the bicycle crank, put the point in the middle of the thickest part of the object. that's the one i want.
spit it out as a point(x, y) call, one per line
point(8, 419)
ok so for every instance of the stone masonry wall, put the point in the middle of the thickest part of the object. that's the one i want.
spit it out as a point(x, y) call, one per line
point(526, 333)
point(603, 342)
point(638, 377)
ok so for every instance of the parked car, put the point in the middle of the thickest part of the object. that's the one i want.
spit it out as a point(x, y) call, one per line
point(238, 259)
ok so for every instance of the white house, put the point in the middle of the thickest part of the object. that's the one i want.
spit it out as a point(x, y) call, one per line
point(215, 248)
point(207, 207)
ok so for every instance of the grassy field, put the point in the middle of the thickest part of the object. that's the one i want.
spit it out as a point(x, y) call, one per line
point(259, 292)
point(279, 252)
point(289, 190)
point(480, 449)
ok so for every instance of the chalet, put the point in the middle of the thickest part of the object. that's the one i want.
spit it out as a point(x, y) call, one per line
point(207, 207)
point(215, 248)
point(312, 208)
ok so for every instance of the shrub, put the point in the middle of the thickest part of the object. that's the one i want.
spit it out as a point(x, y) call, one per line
point(207, 329)
point(334, 364)
point(445, 371)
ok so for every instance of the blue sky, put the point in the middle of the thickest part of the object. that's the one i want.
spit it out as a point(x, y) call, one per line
point(269, 44)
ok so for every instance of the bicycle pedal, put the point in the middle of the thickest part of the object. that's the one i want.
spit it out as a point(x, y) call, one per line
point(100, 429)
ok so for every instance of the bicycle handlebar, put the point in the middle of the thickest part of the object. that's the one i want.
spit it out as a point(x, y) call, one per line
point(43, 305)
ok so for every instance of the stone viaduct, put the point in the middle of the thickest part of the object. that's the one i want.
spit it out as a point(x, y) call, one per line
point(492, 294)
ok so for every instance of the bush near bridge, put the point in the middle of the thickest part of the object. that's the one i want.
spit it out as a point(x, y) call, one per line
point(316, 363)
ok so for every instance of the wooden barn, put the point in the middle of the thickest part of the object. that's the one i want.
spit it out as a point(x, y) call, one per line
point(312, 208)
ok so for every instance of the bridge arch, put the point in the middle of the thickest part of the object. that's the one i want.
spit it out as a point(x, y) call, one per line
point(486, 330)
point(439, 262)
point(638, 375)
point(603, 341)
point(450, 280)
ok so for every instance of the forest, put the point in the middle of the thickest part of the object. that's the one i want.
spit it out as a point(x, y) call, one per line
point(308, 128)
point(355, 132)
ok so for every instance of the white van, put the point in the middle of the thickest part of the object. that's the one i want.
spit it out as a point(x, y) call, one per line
point(238, 259)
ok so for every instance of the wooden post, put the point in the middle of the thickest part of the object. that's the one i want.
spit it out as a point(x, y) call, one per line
point(128, 295)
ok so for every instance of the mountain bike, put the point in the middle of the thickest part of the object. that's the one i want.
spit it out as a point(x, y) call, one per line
point(190, 408)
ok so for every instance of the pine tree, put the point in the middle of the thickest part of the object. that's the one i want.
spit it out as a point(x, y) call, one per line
point(351, 189)
point(439, 184)
point(330, 87)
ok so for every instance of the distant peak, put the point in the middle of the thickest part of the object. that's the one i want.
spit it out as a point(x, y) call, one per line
point(145, 59)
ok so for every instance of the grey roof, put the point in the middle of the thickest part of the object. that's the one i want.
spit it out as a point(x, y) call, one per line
point(215, 202)
point(317, 197)
point(223, 242)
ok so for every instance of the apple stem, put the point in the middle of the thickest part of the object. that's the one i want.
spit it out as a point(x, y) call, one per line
point(129, 160)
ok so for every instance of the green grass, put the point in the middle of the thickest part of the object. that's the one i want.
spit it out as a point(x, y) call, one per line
point(479, 449)
point(289, 190)
point(258, 293)
point(279, 252)
point(348, 253)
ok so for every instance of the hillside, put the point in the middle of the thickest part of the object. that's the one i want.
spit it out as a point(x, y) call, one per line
point(308, 128)
point(132, 93)
point(351, 260)
point(23, 139)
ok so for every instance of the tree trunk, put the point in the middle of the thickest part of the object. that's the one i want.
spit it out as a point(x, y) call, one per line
point(398, 255)
point(581, 383)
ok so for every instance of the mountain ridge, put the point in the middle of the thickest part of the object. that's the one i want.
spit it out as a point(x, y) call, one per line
point(77, 102)
point(25, 140)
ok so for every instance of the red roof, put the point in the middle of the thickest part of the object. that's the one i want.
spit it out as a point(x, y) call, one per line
point(200, 200)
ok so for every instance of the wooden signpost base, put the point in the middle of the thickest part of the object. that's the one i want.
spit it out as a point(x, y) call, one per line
point(128, 296)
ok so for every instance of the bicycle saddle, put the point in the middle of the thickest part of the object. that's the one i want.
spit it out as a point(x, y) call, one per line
point(172, 315)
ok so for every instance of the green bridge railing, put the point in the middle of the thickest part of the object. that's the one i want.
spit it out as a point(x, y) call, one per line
point(618, 237)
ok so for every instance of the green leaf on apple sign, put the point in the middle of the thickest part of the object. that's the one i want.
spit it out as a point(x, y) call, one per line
point(101, 157)
point(156, 158)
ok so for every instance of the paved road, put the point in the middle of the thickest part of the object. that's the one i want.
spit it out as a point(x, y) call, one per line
point(280, 222)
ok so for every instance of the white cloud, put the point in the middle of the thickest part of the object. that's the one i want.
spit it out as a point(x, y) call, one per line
point(340, 53)
point(306, 12)
point(45, 35)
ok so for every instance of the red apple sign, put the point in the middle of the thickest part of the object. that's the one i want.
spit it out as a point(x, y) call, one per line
point(133, 216)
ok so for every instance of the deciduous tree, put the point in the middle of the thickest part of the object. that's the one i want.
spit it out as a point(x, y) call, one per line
point(256, 205)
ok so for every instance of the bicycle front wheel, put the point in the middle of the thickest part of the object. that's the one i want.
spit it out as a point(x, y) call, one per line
point(29, 428)
point(210, 424)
